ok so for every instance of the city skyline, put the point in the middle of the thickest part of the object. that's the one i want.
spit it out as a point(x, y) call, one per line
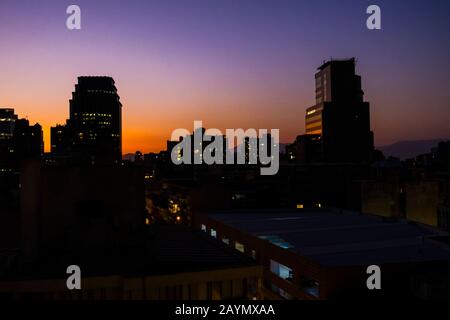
point(224, 154)
point(229, 65)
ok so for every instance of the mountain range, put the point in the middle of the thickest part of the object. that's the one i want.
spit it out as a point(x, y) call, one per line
point(409, 148)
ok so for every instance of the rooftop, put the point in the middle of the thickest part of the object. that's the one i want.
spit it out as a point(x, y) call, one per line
point(168, 250)
point(340, 238)
point(336, 61)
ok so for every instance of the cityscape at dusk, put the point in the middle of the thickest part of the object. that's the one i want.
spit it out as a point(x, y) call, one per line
point(219, 159)
point(231, 64)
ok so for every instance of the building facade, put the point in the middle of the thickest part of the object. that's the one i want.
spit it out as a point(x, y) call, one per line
point(340, 116)
point(94, 128)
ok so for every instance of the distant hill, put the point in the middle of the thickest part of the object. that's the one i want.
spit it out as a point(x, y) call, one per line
point(409, 149)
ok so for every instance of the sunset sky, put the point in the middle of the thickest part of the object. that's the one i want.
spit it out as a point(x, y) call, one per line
point(230, 63)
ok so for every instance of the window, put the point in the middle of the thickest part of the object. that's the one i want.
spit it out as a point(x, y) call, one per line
point(239, 246)
point(281, 270)
point(213, 233)
point(203, 227)
point(280, 292)
point(226, 240)
point(310, 286)
point(276, 240)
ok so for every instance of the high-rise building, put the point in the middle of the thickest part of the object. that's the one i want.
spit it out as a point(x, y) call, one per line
point(18, 140)
point(340, 116)
point(7, 122)
point(95, 123)
point(28, 140)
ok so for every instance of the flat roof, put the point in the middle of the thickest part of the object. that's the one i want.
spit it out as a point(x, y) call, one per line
point(336, 61)
point(168, 249)
point(333, 237)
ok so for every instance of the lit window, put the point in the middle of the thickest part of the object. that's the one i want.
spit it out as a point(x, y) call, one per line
point(300, 206)
point(276, 240)
point(213, 233)
point(239, 246)
point(226, 240)
point(281, 270)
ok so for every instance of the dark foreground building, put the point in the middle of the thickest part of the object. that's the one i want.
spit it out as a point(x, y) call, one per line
point(93, 216)
point(324, 254)
point(80, 207)
point(174, 263)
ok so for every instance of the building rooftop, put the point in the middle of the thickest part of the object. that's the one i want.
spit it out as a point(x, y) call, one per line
point(340, 238)
point(165, 250)
point(336, 61)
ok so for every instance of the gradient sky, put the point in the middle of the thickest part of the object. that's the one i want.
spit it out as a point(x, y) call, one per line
point(230, 63)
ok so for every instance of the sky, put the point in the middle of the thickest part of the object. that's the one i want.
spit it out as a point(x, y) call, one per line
point(229, 63)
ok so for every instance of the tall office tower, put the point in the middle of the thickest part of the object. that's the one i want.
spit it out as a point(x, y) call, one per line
point(7, 121)
point(96, 119)
point(340, 117)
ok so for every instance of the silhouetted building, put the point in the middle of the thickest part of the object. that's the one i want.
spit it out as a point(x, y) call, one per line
point(417, 191)
point(28, 140)
point(306, 148)
point(7, 121)
point(60, 138)
point(340, 117)
point(18, 140)
point(95, 125)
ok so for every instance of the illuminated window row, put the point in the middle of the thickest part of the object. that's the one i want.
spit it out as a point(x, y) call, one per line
point(313, 125)
point(314, 118)
point(96, 114)
point(101, 91)
point(237, 245)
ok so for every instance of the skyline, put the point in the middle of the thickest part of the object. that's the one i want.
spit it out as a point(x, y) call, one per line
point(228, 64)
